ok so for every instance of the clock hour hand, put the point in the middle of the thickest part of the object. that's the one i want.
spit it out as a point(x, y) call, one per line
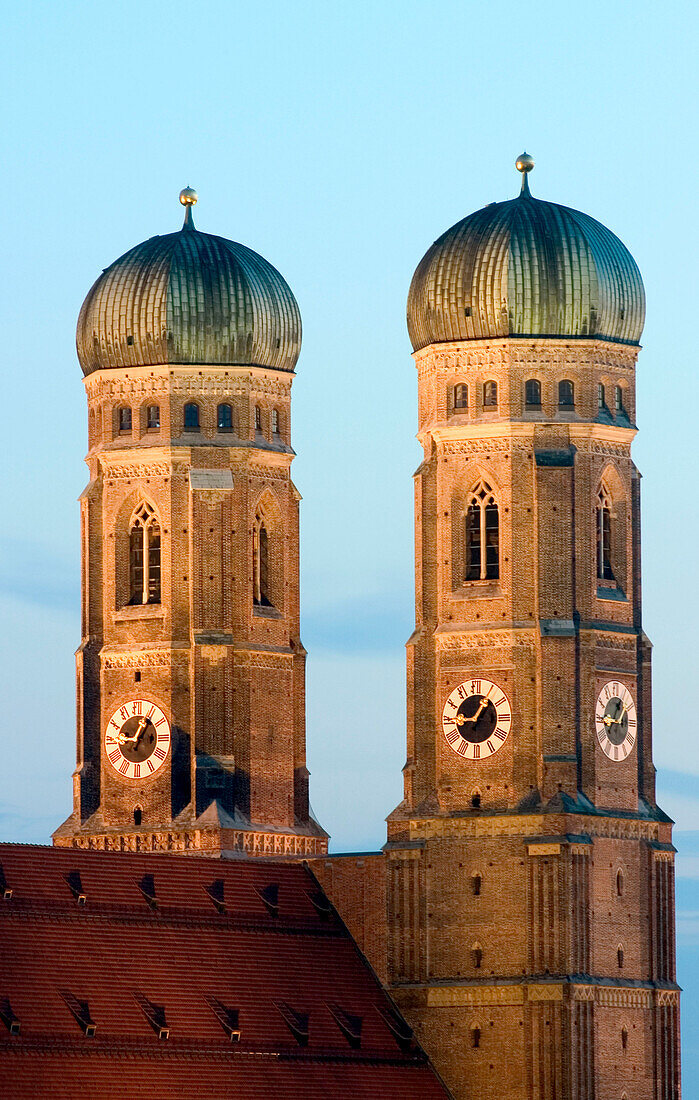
point(134, 738)
point(461, 718)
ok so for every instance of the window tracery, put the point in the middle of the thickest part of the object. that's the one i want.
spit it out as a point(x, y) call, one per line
point(144, 556)
point(482, 535)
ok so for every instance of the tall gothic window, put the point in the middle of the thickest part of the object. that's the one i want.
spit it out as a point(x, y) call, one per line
point(224, 418)
point(258, 418)
point(482, 535)
point(566, 394)
point(618, 399)
point(461, 396)
point(144, 556)
point(604, 536)
point(490, 395)
point(261, 595)
point(532, 393)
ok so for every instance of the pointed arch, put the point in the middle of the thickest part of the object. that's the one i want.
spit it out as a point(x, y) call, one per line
point(476, 955)
point(267, 549)
point(611, 513)
point(476, 1033)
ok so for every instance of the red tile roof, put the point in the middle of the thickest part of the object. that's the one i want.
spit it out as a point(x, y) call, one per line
point(127, 974)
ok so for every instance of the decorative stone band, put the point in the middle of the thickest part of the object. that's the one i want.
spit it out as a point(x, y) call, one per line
point(531, 825)
point(207, 842)
point(519, 994)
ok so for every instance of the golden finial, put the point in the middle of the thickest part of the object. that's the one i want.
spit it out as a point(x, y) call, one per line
point(524, 164)
point(188, 198)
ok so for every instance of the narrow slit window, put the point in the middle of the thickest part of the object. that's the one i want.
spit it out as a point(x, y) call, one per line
point(258, 418)
point(475, 1037)
point(600, 396)
point(476, 956)
point(191, 417)
point(618, 399)
point(490, 395)
point(274, 422)
point(461, 396)
point(224, 418)
point(476, 883)
point(532, 393)
point(566, 394)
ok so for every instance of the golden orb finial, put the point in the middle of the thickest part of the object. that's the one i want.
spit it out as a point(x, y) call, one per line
point(524, 164)
point(188, 196)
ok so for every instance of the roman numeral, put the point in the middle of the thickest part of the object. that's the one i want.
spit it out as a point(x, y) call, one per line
point(151, 769)
point(151, 712)
point(491, 747)
point(475, 687)
point(463, 748)
point(504, 716)
point(499, 702)
point(160, 722)
point(136, 708)
point(160, 754)
point(631, 739)
point(450, 704)
point(453, 737)
point(124, 713)
point(114, 756)
point(476, 752)
point(113, 723)
point(500, 734)
point(124, 767)
point(137, 771)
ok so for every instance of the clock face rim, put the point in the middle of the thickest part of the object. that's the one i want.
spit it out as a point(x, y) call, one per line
point(477, 750)
point(151, 766)
point(619, 751)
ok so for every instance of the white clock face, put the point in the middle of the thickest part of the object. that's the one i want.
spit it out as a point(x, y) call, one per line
point(476, 719)
point(137, 739)
point(615, 720)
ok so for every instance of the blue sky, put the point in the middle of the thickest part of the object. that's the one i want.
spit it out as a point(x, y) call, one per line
point(338, 139)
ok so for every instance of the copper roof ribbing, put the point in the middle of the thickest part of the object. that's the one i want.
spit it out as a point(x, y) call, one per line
point(526, 268)
point(189, 297)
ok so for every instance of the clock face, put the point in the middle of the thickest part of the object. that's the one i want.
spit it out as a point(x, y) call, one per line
point(137, 739)
point(615, 720)
point(476, 719)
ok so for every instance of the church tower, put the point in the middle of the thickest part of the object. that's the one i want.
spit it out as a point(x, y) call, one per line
point(190, 672)
point(530, 870)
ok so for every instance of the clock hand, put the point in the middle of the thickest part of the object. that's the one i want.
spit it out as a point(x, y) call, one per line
point(123, 739)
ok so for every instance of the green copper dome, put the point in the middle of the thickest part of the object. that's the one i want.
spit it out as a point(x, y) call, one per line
point(526, 268)
point(189, 297)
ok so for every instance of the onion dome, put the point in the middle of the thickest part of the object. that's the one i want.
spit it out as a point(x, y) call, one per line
point(526, 268)
point(189, 297)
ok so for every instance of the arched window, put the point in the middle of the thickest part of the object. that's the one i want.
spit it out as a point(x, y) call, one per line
point(274, 421)
point(461, 396)
point(476, 883)
point(482, 535)
point(137, 816)
point(475, 1036)
point(261, 575)
point(153, 418)
point(618, 399)
point(566, 394)
point(258, 418)
point(620, 883)
point(532, 393)
point(191, 417)
point(604, 536)
point(620, 956)
point(144, 556)
point(490, 395)
point(477, 955)
point(124, 419)
point(476, 800)
point(224, 418)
